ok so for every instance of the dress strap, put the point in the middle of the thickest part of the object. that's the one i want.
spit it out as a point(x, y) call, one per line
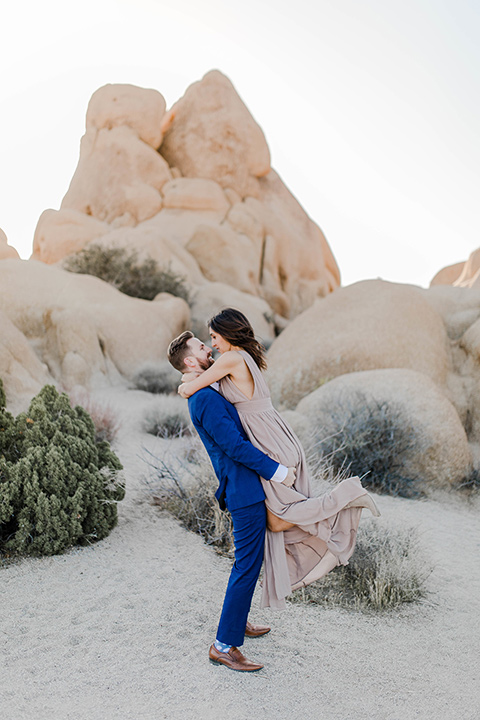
point(254, 406)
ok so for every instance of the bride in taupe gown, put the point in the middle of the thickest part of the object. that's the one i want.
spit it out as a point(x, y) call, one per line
point(307, 535)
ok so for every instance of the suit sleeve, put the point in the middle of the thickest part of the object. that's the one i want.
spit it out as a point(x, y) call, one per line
point(223, 430)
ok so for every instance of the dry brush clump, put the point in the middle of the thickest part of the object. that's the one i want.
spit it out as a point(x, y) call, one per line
point(58, 486)
point(384, 571)
point(105, 419)
point(371, 439)
point(122, 268)
point(185, 486)
point(167, 417)
point(157, 378)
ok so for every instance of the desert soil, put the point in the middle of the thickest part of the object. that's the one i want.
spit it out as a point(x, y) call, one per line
point(121, 629)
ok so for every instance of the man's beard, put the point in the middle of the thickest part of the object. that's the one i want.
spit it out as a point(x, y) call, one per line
point(205, 364)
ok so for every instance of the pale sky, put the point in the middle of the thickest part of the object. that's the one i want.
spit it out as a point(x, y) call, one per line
point(371, 109)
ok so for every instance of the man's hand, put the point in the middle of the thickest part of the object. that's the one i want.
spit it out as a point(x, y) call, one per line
point(291, 477)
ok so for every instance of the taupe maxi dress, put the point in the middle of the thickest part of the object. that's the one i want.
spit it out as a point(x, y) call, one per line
point(322, 522)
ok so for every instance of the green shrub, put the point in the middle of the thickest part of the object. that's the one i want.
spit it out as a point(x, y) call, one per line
point(371, 439)
point(384, 571)
point(121, 268)
point(167, 417)
point(58, 486)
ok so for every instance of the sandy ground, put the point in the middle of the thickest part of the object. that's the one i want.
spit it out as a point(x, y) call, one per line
point(122, 629)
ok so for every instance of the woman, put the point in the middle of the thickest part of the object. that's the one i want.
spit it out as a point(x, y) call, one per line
point(307, 535)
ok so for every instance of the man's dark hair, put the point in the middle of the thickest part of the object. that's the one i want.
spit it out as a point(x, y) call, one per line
point(178, 350)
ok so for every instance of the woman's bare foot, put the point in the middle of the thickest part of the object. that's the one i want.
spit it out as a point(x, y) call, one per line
point(365, 501)
point(327, 563)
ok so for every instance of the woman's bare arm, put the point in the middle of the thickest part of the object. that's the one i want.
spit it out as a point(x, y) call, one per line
point(225, 365)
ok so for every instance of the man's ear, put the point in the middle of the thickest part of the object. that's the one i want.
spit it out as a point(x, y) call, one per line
point(190, 362)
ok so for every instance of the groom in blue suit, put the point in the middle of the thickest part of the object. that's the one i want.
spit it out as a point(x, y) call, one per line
point(237, 464)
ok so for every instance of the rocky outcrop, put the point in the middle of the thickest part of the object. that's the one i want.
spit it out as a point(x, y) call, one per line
point(210, 133)
point(21, 371)
point(6, 250)
point(406, 346)
point(196, 178)
point(81, 330)
point(462, 274)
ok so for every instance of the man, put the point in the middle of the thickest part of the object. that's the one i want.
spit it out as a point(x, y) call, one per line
point(238, 465)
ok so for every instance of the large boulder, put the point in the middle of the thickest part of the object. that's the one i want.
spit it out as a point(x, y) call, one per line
point(371, 324)
point(297, 263)
point(448, 275)
point(459, 308)
point(83, 329)
point(21, 371)
point(140, 108)
point(60, 233)
point(462, 274)
point(210, 133)
point(6, 250)
point(118, 177)
point(213, 249)
point(440, 455)
point(470, 275)
point(195, 194)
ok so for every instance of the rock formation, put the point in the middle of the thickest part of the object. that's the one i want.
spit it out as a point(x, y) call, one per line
point(462, 274)
point(396, 343)
point(192, 187)
point(77, 329)
point(440, 454)
point(371, 324)
point(6, 250)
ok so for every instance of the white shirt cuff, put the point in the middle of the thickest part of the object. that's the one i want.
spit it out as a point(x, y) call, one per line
point(280, 474)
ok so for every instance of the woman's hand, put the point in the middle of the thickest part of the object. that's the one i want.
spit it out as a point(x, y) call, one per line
point(291, 477)
point(183, 390)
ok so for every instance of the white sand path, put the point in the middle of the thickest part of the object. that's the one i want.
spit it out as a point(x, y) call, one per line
point(121, 629)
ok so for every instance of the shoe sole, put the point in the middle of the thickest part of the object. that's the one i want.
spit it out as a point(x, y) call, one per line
point(257, 636)
point(216, 662)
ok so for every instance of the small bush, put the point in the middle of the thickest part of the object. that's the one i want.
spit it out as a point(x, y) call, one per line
point(121, 268)
point(58, 486)
point(383, 572)
point(187, 491)
point(105, 419)
point(471, 482)
point(167, 418)
point(371, 439)
point(158, 379)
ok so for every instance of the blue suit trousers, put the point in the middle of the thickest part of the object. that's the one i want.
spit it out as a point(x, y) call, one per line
point(249, 525)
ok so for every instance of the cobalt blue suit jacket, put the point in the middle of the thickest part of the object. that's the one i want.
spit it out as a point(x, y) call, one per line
point(237, 463)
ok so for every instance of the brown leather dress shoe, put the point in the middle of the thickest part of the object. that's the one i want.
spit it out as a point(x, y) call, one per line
point(256, 630)
point(233, 659)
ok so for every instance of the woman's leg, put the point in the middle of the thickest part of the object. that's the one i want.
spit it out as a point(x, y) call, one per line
point(276, 524)
point(327, 563)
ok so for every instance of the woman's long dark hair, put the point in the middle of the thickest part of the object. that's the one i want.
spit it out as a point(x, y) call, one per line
point(235, 328)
